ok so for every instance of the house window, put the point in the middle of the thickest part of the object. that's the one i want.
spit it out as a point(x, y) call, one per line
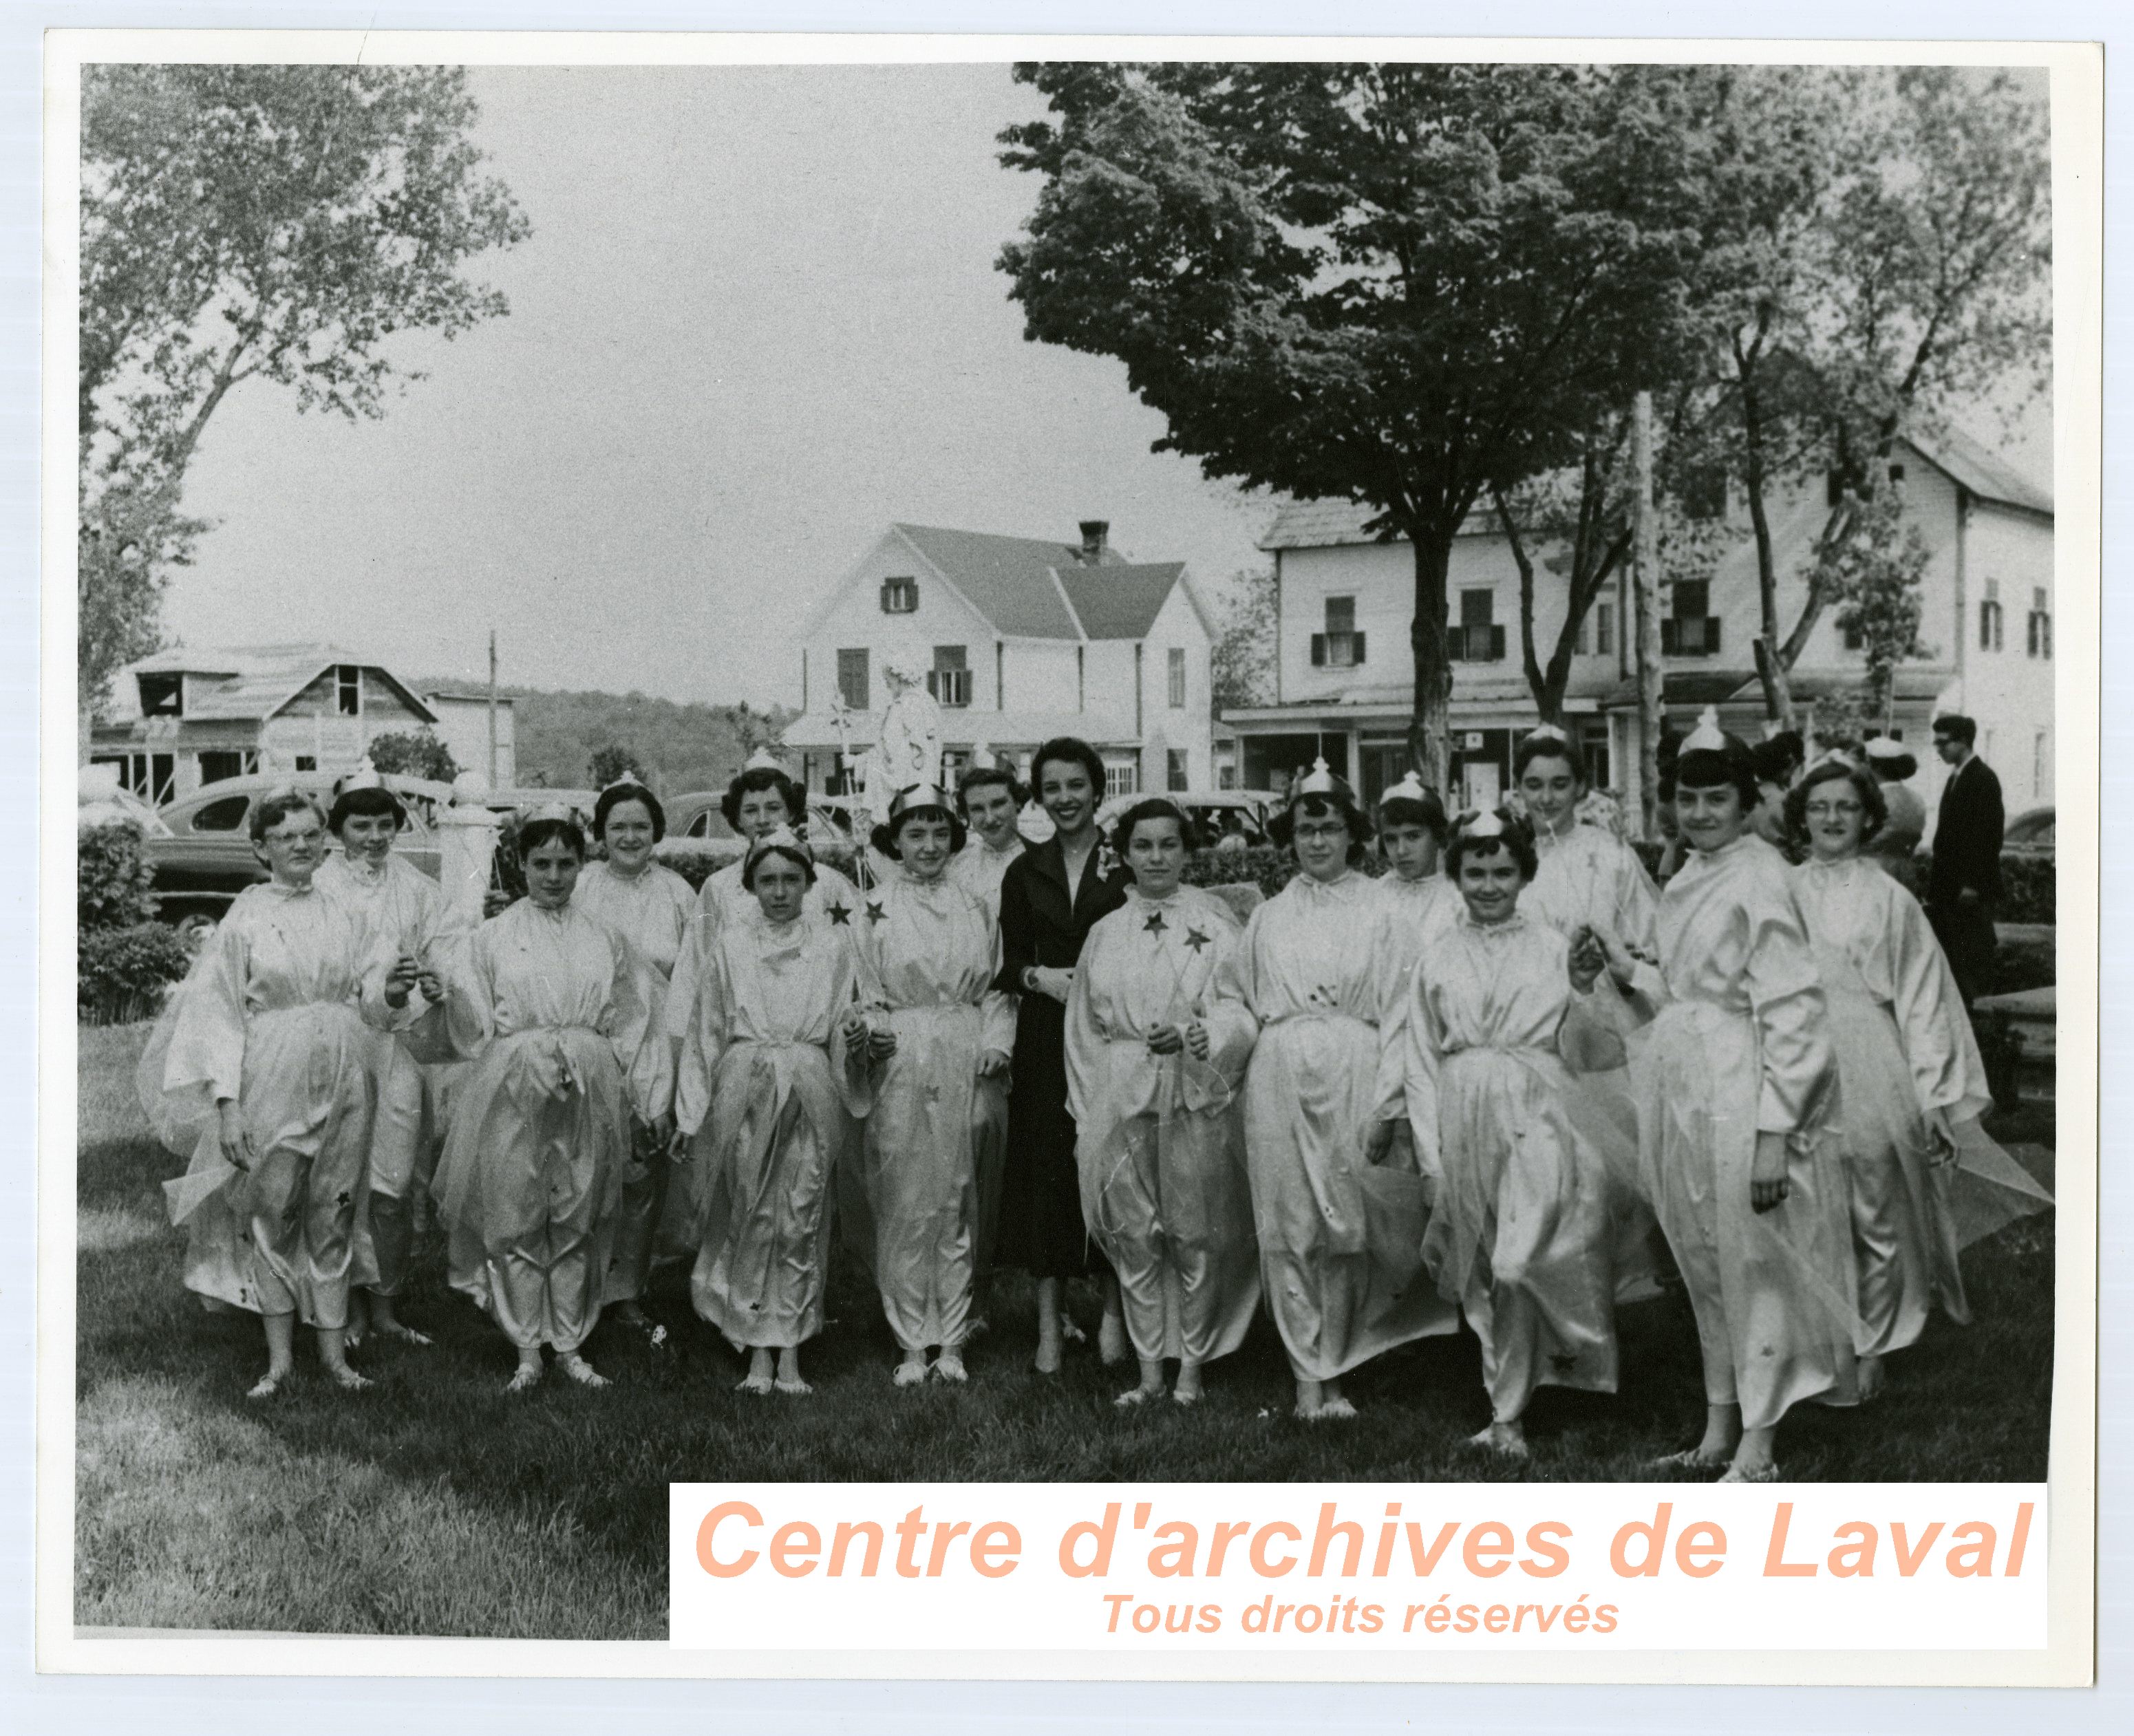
point(852, 679)
point(1226, 777)
point(162, 696)
point(1989, 617)
point(1122, 778)
point(307, 762)
point(950, 680)
point(1478, 638)
point(1175, 770)
point(899, 597)
point(1175, 659)
point(1693, 631)
point(348, 683)
point(153, 777)
point(2039, 639)
point(1593, 748)
point(1603, 629)
point(217, 763)
point(1340, 646)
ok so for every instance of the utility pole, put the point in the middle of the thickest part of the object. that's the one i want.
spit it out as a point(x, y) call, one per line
point(1645, 585)
point(492, 708)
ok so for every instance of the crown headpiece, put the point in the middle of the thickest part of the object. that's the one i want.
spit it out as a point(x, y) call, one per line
point(1484, 823)
point(916, 796)
point(982, 758)
point(548, 811)
point(363, 776)
point(763, 760)
point(782, 837)
point(630, 779)
point(1837, 756)
point(1547, 732)
point(1707, 737)
point(1410, 788)
point(1322, 781)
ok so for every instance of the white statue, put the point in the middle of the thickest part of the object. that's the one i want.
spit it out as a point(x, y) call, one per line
point(907, 748)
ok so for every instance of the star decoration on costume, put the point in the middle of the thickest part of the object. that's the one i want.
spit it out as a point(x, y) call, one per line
point(1156, 924)
point(875, 913)
point(1196, 939)
point(838, 913)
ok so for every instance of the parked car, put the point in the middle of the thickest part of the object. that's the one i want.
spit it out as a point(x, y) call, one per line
point(2030, 833)
point(205, 858)
point(696, 827)
point(1210, 811)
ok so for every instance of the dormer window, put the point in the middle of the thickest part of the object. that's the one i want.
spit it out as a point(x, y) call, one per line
point(900, 596)
point(162, 695)
point(348, 688)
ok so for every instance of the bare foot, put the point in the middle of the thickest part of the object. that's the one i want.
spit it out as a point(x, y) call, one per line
point(1179, 1396)
point(976, 1327)
point(948, 1366)
point(1692, 1459)
point(1137, 1396)
point(1737, 1472)
point(1187, 1392)
point(795, 1387)
point(345, 1377)
point(269, 1384)
point(580, 1370)
point(1112, 1339)
point(1507, 1438)
point(759, 1384)
point(1069, 1331)
point(1336, 1408)
point(402, 1333)
point(527, 1378)
point(911, 1371)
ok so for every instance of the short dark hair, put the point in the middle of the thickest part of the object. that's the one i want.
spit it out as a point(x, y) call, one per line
point(1892, 768)
point(884, 836)
point(1711, 767)
point(1151, 807)
point(1550, 747)
point(1517, 836)
point(1072, 748)
point(374, 798)
point(1874, 816)
point(276, 806)
point(979, 776)
point(1426, 810)
point(550, 828)
point(615, 795)
point(1955, 723)
point(764, 777)
point(754, 860)
point(1281, 828)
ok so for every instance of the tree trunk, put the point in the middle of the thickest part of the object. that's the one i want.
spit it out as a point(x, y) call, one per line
point(1771, 669)
point(1430, 730)
point(1644, 571)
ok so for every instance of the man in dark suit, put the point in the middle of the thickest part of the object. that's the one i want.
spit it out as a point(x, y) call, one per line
point(1963, 886)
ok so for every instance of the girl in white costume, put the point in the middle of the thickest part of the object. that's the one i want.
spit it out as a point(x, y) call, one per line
point(1520, 1234)
point(648, 906)
point(1913, 1082)
point(1737, 1089)
point(1159, 1144)
point(260, 1070)
point(939, 1035)
point(771, 1071)
point(556, 1014)
point(405, 923)
point(1585, 876)
point(1317, 975)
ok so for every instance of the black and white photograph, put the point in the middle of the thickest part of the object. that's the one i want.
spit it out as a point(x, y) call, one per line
point(1068, 770)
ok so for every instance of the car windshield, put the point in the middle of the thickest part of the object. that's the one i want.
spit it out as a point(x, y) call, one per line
point(227, 815)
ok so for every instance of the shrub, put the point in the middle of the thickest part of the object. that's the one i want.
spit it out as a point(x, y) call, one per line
point(1264, 866)
point(124, 973)
point(114, 888)
point(413, 754)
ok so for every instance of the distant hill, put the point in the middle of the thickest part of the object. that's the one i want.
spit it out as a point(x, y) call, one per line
point(677, 747)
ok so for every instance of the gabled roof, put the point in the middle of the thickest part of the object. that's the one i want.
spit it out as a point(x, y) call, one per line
point(251, 683)
point(1032, 588)
point(1981, 470)
point(1339, 523)
point(1119, 602)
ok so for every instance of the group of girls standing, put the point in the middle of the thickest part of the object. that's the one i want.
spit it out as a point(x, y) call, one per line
point(1377, 1107)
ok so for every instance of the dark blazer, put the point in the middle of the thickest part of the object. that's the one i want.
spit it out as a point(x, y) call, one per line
point(1967, 845)
point(1040, 923)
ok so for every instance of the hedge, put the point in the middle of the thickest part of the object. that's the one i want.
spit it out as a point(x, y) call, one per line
point(114, 886)
point(124, 973)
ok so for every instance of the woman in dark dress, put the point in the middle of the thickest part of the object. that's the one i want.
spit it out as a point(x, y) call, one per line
point(1050, 897)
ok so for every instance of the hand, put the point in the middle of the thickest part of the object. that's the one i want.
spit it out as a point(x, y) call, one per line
point(881, 1044)
point(678, 1146)
point(401, 981)
point(236, 1142)
point(1196, 1040)
point(431, 985)
point(1768, 1186)
point(1941, 1137)
point(1166, 1039)
point(854, 1030)
point(1622, 963)
point(662, 1129)
point(1588, 959)
point(1054, 985)
point(1378, 1141)
point(991, 1064)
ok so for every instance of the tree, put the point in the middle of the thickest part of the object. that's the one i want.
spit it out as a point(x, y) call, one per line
point(1873, 574)
point(610, 763)
point(413, 754)
point(1877, 247)
point(1242, 658)
point(278, 222)
point(1400, 285)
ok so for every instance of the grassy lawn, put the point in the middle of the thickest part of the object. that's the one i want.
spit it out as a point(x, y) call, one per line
point(435, 1505)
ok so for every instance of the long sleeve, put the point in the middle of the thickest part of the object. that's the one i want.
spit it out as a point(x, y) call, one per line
point(1393, 975)
point(207, 1043)
point(470, 999)
point(1786, 997)
point(1018, 930)
point(1947, 1067)
point(1417, 1048)
point(1085, 1036)
point(1233, 1020)
point(635, 1024)
point(702, 1045)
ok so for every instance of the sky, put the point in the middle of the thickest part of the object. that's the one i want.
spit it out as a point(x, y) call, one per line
point(756, 321)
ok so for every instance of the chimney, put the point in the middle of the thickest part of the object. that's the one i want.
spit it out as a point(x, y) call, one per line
point(1094, 532)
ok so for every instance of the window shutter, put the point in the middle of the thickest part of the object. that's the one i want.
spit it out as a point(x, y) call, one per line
point(885, 597)
point(1712, 634)
point(1356, 654)
point(1668, 636)
point(1496, 643)
point(1318, 650)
